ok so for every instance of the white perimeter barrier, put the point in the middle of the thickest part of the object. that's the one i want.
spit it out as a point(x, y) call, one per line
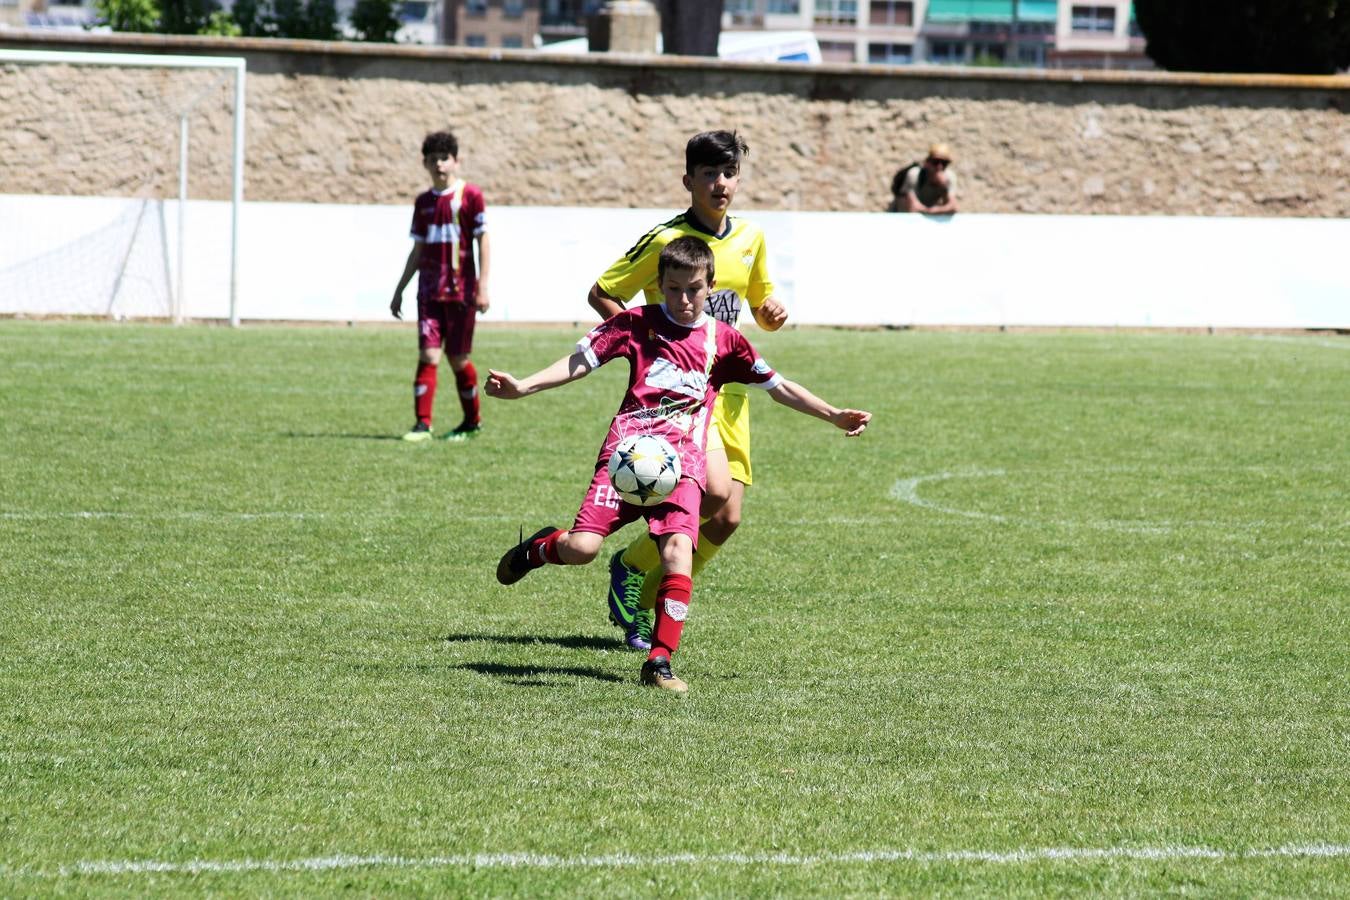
point(328, 262)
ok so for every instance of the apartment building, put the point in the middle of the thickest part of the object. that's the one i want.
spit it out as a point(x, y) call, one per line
point(507, 24)
point(1035, 33)
point(955, 32)
point(69, 16)
point(1098, 34)
point(881, 31)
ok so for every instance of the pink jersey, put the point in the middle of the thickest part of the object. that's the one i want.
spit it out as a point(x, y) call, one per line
point(444, 224)
point(674, 374)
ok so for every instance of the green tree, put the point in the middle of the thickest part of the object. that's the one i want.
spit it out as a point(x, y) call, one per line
point(321, 20)
point(286, 19)
point(221, 24)
point(1309, 37)
point(375, 20)
point(250, 17)
point(128, 15)
point(186, 16)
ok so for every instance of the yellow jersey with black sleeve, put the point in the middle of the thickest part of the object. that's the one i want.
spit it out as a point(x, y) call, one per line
point(739, 256)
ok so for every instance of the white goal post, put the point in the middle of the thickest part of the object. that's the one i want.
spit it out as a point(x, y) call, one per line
point(228, 64)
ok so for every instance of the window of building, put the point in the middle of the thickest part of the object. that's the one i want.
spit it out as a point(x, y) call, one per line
point(512, 41)
point(784, 7)
point(988, 54)
point(891, 12)
point(837, 52)
point(1036, 28)
point(513, 9)
point(475, 40)
point(742, 12)
point(837, 12)
point(567, 12)
point(890, 54)
point(946, 52)
point(1095, 19)
point(409, 11)
point(475, 8)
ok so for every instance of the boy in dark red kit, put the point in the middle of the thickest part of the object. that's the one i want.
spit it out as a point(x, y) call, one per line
point(679, 358)
point(451, 288)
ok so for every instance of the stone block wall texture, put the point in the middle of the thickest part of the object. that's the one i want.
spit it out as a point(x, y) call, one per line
point(343, 123)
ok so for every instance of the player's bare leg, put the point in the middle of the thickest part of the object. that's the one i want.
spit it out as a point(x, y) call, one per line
point(724, 521)
point(548, 545)
point(722, 516)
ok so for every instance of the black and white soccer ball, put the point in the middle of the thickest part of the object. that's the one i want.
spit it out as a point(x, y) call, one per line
point(644, 469)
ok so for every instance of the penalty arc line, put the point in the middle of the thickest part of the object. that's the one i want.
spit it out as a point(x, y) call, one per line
point(906, 490)
point(626, 860)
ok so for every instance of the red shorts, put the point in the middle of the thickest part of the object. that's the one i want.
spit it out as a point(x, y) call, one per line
point(603, 513)
point(448, 324)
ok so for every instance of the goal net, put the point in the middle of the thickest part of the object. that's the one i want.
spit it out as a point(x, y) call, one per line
point(122, 180)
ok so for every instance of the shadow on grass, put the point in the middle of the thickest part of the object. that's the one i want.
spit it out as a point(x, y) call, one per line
point(538, 676)
point(569, 641)
point(342, 436)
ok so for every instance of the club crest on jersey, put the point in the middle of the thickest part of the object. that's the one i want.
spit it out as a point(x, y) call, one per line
point(676, 609)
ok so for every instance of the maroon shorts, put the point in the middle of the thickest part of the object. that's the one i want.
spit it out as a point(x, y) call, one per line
point(448, 324)
point(603, 513)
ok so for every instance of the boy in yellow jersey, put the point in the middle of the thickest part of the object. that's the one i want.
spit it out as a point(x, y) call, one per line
point(712, 173)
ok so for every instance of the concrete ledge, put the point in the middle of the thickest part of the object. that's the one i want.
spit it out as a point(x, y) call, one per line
point(145, 43)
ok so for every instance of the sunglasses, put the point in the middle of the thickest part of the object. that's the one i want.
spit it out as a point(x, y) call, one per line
point(940, 163)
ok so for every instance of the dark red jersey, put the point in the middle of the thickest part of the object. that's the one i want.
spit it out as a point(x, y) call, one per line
point(445, 224)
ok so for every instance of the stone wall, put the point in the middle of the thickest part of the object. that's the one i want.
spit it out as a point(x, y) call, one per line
point(343, 123)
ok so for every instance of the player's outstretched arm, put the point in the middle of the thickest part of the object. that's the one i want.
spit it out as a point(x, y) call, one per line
point(603, 303)
point(409, 268)
point(792, 395)
point(505, 386)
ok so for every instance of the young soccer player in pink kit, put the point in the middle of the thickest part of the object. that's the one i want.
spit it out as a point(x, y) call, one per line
point(678, 360)
point(451, 290)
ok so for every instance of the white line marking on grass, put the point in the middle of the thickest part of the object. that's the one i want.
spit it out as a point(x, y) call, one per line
point(1316, 342)
point(229, 516)
point(630, 860)
point(181, 514)
point(906, 490)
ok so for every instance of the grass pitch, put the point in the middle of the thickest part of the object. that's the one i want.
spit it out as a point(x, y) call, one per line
point(1072, 616)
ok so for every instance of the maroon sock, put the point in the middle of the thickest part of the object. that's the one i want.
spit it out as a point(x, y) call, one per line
point(424, 391)
point(672, 606)
point(545, 549)
point(466, 379)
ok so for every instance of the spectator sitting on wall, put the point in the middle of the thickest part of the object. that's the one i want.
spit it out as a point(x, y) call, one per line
point(926, 187)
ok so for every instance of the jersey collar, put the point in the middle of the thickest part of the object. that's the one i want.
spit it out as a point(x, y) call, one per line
point(697, 225)
point(702, 317)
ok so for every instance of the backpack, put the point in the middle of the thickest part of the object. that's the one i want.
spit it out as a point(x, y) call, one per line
point(898, 182)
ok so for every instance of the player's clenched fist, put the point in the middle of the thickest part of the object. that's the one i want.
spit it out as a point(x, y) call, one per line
point(502, 385)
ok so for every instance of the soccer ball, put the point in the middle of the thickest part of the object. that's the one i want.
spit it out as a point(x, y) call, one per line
point(644, 469)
